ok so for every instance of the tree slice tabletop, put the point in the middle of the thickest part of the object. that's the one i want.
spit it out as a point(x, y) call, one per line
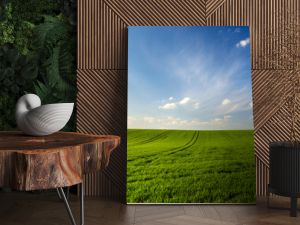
point(57, 160)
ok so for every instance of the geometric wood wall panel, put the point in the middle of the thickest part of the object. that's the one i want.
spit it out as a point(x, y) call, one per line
point(277, 128)
point(160, 13)
point(102, 70)
point(102, 37)
point(102, 109)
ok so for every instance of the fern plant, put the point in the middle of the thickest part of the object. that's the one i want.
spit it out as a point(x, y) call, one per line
point(54, 43)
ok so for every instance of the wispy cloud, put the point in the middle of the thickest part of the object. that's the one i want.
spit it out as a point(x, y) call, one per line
point(226, 101)
point(243, 43)
point(239, 102)
point(168, 106)
point(184, 101)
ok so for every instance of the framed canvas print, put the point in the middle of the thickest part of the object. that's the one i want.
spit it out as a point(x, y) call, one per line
point(190, 123)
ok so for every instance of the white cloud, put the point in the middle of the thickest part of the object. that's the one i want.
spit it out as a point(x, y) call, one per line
point(226, 101)
point(217, 120)
point(221, 122)
point(243, 43)
point(184, 101)
point(168, 106)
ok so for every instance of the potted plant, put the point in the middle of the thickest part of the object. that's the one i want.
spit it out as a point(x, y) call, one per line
point(284, 88)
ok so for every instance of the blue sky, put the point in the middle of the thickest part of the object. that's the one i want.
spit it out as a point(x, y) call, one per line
point(193, 78)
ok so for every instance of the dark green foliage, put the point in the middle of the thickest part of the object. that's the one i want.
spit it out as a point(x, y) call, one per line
point(7, 112)
point(17, 72)
point(13, 30)
point(185, 166)
point(56, 62)
point(53, 42)
point(33, 10)
point(70, 11)
point(38, 50)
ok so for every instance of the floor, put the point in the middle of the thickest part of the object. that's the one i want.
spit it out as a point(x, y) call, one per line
point(45, 209)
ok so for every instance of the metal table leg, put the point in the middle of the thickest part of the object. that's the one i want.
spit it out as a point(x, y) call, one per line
point(293, 210)
point(81, 204)
point(67, 191)
point(62, 195)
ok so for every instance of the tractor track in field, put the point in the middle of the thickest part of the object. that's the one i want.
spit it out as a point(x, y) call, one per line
point(156, 137)
point(187, 145)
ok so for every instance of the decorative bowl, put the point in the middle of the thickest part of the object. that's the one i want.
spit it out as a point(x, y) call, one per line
point(40, 120)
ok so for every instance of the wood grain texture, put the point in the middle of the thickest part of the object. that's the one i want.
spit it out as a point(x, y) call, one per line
point(57, 160)
point(102, 53)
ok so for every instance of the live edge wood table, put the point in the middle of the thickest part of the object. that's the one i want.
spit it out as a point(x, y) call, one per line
point(52, 162)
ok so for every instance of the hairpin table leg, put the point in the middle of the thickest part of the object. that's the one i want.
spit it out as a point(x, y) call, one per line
point(81, 203)
point(62, 195)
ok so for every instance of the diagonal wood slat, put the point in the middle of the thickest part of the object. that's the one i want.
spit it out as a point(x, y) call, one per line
point(212, 6)
point(267, 98)
point(277, 128)
point(102, 109)
point(160, 13)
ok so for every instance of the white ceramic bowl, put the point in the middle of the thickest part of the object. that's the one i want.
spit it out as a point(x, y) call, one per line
point(40, 120)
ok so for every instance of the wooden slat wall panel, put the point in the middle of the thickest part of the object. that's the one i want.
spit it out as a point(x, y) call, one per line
point(160, 13)
point(102, 70)
point(262, 177)
point(102, 37)
point(102, 109)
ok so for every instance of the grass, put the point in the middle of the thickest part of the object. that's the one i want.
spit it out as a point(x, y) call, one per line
point(179, 166)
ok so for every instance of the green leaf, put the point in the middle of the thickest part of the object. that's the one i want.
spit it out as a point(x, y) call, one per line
point(8, 72)
point(30, 72)
point(49, 33)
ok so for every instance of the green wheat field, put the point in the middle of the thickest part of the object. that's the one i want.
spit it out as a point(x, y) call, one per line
point(179, 166)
